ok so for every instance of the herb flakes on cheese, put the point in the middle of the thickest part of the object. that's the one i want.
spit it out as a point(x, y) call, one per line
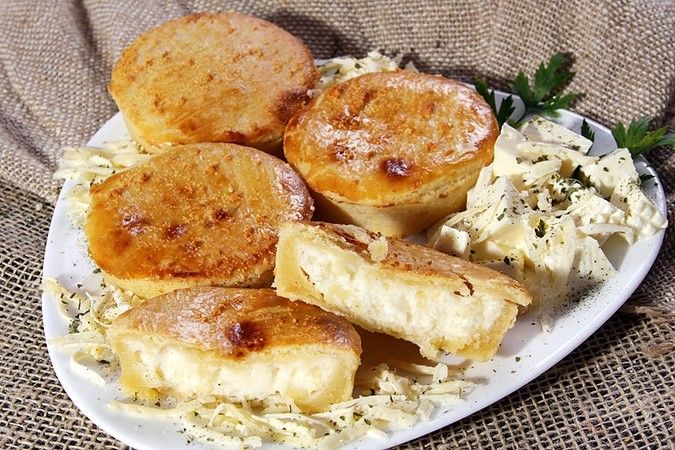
point(542, 130)
point(542, 210)
point(641, 214)
point(610, 170)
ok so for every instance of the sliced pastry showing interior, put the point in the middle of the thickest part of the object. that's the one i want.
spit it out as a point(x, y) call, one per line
point(392, 152)
point(236, 344)
point(388, 285)
point(200, 214)
point(213, 77)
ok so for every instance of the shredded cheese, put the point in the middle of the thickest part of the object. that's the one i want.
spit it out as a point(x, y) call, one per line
point(337, 70)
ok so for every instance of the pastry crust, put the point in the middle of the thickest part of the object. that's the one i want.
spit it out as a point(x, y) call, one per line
point(439, 302)
point(201, 214)
point(213, 77)
point(392, 152)
point(272, 345)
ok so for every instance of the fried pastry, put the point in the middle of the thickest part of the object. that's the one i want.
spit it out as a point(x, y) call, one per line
point(213, 77)
point(439, 302)
point(392, 152)
point(240, 344)
point(200, 214)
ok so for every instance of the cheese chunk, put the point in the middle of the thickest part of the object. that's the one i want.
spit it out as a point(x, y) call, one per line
point(569, 158)
point(539, 173)
point(507, 210)
point(641, 214)
point(592, 209)
point(451, 241)
point(551, 245)
point(542, 130)
point(506, 161)
point(610, 170)
point(590, 266)
point(477, 194)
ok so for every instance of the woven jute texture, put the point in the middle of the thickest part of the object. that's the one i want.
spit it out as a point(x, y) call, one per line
point(616, 390)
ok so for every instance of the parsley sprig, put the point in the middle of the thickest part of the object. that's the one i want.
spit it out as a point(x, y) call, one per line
point(542, 97)
point(587, 132)
point(638, 139)
point(506, 107)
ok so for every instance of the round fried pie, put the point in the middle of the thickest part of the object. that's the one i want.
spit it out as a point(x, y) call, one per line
point(392, 152)
point(212, 78)
point(201, 214)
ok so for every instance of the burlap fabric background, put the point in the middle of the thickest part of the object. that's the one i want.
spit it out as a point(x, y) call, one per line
point(616, 390)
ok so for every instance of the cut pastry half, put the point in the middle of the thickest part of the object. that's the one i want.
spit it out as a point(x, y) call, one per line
point(238, 344)
point(201, 214)
point(392, 152)
point(439, 302)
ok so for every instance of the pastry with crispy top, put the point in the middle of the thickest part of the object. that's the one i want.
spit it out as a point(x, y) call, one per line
point(388, 285)
point(213, 77)
point(392, 152)
point(200, 214)
point(239, 344)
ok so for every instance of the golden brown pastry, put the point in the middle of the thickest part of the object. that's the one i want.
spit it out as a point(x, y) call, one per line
point(200, 214)
point(439, 302)
point(240, 344)
point(213, 77)
point(392, 152)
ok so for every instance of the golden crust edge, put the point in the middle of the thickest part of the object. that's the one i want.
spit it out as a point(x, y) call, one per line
point(413, 215)
point(148, 288)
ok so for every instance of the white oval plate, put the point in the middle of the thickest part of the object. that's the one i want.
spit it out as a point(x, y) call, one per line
point(525, 353)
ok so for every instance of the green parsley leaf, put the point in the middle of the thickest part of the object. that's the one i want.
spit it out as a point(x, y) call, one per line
point(540, 231)
point(550, 79)
point(506, 107)
point(543, 96)
point(645, 177)
point(551, 106)
point(638, 139)
point(521, 85)
point(587, 132)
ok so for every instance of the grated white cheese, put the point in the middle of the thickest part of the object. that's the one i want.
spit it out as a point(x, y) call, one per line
point(91, 165)
point(337, 70)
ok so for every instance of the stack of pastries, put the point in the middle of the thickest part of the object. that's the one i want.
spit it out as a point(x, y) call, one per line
point(203, 229)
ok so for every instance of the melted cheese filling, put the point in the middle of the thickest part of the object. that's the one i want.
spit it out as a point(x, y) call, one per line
point(309, 377)
point(358, 290)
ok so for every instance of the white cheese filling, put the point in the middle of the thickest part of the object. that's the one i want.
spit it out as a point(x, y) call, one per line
point(302, 376)
point(358, 291)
